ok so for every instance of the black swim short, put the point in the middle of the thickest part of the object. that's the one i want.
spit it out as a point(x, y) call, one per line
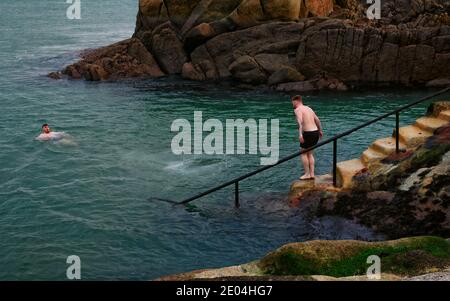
point(311, 138)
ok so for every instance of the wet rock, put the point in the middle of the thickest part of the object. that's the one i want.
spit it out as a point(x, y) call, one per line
point(408, 46)
point(439, 82)
point(360, 55)
point(303, 86)
point(246, 69)
point(126, 59)
point(55, 75)
point(190, 72)
point(414, 198)
point(285, 75)
point(95, 73)
point(336, 260)
point(272, 40)
point(168, 49)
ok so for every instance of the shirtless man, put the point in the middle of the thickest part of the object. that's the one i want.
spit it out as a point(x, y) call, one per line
point(57, 137)
point(46, 133)
point(310, 131)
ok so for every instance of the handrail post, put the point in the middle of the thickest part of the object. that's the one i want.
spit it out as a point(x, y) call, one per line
point(236, 194)
point(335, 162)
point(397, 134)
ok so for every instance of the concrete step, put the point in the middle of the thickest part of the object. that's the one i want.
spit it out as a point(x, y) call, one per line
point(386, 145)
point(371, 155)
point(346, 170)
point(430, 124)
point(445, 115)
point(412, 135)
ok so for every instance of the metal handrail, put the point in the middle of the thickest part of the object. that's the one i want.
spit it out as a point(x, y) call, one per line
point(333, 139)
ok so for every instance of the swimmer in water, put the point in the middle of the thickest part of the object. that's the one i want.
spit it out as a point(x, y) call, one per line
point(59, 137)
point(46, 133)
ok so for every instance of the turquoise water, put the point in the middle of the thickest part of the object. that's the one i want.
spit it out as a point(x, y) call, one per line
point(91, 199)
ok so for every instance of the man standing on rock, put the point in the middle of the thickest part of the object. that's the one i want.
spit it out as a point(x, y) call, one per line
point(310, 131)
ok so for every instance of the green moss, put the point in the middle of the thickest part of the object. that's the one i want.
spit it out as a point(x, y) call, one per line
point(410, 256)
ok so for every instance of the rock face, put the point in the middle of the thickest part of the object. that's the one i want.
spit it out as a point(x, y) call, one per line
point(382, 55)
point(407, 194)
point(126, 59)
point(338, 260)
point(292, 45)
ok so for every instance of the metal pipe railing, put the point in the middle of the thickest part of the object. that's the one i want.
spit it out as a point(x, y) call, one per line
point(334, 140)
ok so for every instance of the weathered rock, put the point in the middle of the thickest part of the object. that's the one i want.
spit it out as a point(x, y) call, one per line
point(272, 62)
point(405, 198)
point(334, 258)
point(318, 8)
point(321, 82)
point(303, 86)
point(388, 55)
point(151, 14)
point(95, 73)
point(277, 39)
point(55, 75)
point(190, 72)
point(125, 59)
point(285, 75)
point(168, 49)
point(247, 70)
point(439, 82)
point(342, 260)
point(408, 46)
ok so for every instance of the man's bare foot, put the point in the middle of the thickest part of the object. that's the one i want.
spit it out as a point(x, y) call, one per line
point(305, 177)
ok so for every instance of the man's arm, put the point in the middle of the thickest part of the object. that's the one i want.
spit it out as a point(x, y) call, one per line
point(298, 116)
point(318, 124)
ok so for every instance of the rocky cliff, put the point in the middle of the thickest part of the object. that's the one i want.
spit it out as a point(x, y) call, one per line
point(289, 45)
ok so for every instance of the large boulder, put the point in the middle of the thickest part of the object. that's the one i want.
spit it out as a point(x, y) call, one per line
point(331, 260)
point(126, 59)
point(277, 40)
point(285, 75)
point(226, 15)
point(201, 39)
point(168, 48)
point(246, 69)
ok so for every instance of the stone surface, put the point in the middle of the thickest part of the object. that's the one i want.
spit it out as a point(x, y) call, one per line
point(284, 75)
point(168, 49)
point(126, 59)
point(201, 39)
point(344, 260)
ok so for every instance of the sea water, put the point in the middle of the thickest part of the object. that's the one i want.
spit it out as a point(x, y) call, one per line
point(91, 199)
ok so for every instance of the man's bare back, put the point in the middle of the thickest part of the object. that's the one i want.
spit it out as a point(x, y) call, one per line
point(306, 118)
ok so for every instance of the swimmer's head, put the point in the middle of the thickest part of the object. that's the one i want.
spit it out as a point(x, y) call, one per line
point(45, 128)
point(296, 101)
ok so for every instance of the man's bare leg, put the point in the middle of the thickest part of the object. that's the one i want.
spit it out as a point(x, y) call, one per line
point(306, 165)
point(311, 164)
